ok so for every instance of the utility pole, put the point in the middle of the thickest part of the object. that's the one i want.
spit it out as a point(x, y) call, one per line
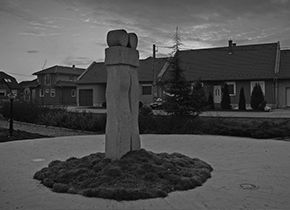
point(154, 87)
point(11, 97)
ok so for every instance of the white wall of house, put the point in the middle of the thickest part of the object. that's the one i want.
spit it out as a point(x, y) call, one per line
point(66, 77)
point(99, 91)
point(145, 93)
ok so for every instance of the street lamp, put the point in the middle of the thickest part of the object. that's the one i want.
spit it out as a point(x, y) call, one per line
point(11, 97)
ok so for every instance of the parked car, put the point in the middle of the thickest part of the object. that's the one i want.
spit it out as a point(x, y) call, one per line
point(157, 104)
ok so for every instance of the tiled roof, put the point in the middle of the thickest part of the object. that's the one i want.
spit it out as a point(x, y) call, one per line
point(32, 83)
point(245, 62)
point(7, 80)
point(284, 64)
point(96, 72)
point(61, 70)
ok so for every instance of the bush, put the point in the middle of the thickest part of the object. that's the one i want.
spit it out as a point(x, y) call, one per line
point(214, 126)
point(242, 100)
point(145, 111)
point(22, 111)
point(210, 102)
point(79, 121)
point(140, 104)
point(226, 100)
point(262, 106)
point(104, 105)
point(257, 98)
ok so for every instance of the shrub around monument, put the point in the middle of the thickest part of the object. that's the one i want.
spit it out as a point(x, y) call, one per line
point(137, 175)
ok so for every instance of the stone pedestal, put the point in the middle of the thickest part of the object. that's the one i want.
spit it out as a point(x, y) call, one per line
point(122, 94)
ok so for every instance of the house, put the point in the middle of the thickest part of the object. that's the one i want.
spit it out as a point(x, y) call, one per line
point(57, 85)
point(28, 90)
point(239, 66)
point(8, 85)
point(284, 79)
point(91, 85)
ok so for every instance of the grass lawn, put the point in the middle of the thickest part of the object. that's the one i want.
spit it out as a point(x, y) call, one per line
point(17, 135)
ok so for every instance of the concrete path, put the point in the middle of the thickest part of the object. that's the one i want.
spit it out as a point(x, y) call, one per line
point(248, 173)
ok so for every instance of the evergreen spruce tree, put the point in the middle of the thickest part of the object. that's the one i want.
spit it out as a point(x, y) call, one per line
point(181, 97)
point(226, 100)
point(257, 98)
point(242, 100)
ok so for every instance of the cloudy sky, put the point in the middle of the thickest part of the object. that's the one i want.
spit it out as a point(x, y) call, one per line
point(37, 33)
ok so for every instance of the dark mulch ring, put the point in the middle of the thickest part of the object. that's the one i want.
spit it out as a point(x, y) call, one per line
point(137, 175)
point(17, 135)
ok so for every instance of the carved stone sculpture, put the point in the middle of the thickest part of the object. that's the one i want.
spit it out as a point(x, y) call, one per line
point(122, 93)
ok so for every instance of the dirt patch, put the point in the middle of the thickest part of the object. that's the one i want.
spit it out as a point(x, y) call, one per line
point(137, 175)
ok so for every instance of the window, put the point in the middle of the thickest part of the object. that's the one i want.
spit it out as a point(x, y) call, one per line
point(47, 79)
point(261, 83)
point(73, 93)
point(2, 92)
point(231, 88)
point(146, 89)
point(7, 80)
point(52, 92)
point(41, 93)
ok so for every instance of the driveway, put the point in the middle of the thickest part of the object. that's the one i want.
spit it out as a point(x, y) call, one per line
point(248, 173)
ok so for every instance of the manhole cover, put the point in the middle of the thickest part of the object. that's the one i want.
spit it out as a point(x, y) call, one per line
point(247, 186)
point(38, 160)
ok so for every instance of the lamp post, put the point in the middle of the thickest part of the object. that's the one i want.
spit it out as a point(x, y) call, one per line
point(11, 97)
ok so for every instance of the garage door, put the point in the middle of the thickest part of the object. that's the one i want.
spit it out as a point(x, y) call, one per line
point(86, 97)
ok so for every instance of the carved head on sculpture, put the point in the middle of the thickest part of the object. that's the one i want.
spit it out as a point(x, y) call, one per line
point(121, 38)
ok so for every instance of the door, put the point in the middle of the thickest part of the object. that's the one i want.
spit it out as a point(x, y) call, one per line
point(217, 94)
point(86, 97)
point(288, 97)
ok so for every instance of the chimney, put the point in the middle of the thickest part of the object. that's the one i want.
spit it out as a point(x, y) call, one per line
point(230, 48)
point(230, 43)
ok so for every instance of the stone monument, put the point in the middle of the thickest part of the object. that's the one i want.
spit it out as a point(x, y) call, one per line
point(122, 94)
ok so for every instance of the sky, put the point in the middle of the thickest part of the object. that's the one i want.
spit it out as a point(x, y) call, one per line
point(37, 34)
